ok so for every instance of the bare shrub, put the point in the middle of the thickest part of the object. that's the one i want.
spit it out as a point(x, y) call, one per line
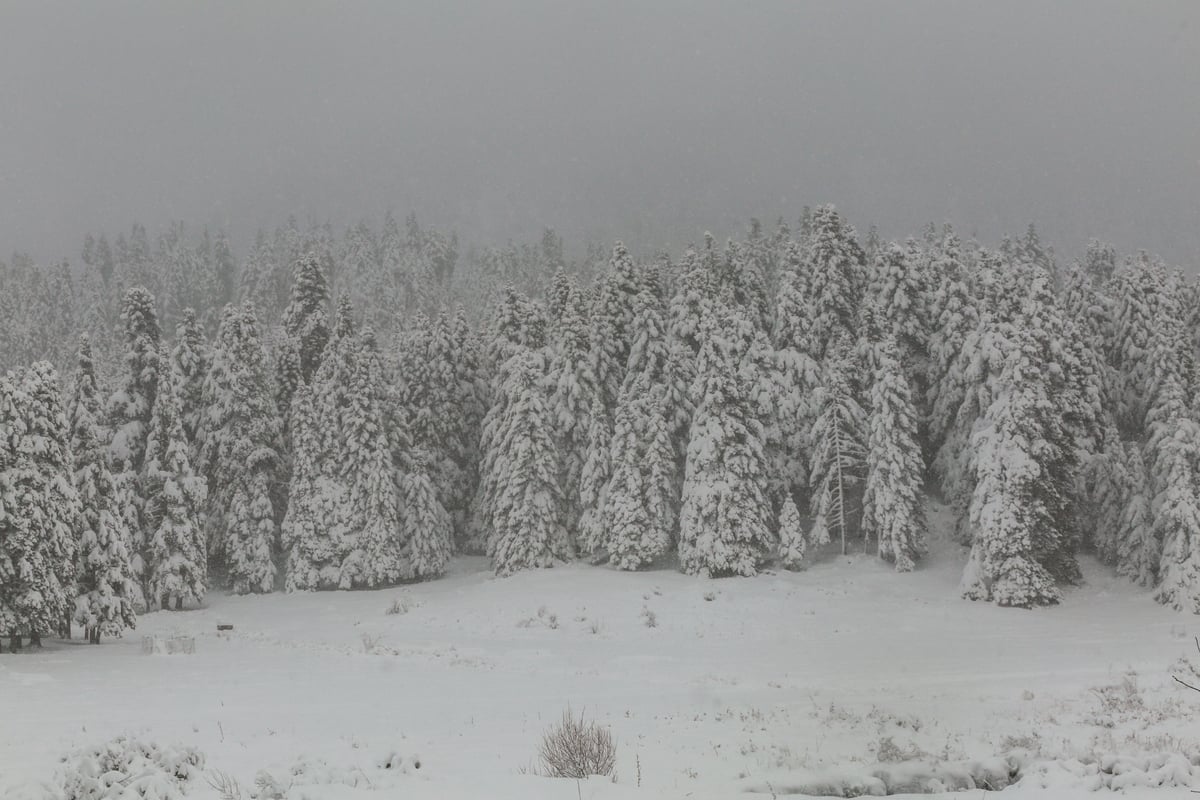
point(399, 606)
point(576, 748)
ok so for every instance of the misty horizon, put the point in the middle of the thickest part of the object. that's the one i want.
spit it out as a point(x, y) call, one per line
point(650, 124)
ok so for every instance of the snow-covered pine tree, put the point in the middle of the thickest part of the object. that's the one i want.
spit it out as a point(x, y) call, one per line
point(573, 393)
point(1138, 550)
point(642, 496)
point(1106, 484)
point(129, 407)
point(792, 545)
point(1138, 291)
point(558, 295)
point(315, 525)
point(799, 372)
point(524, 514)
point(1099, 262)
point(306, 318)
point(954, 318)
point(836, 280)
point(611, 325)
point(426, 529)
point(594, 478)
point(724, 521)
point(1172, 455)
point(1010, 518)
point(377, 555)
point(41, 543)
point(175, 559)
point(239, 452)
point(892, 502)
point(838, 467)
point(104, 592)
point(898, 295)
point(190, 360)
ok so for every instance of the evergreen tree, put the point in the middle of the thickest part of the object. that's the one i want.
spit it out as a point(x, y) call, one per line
point(377, 555)
point(239, 440)
point(523, 513)
point(792, 546)
point(611, 321)
point(723, 527)
point(892, 508)
point(175, 561)
point(190, 360)
point(1138, 551)
point(315, 526)
point(1139, 294)
point(1009, 515)
point(837, 278)
point(129, 407)
point(1099, 262)
point(839, 451)
point(425, 527)
point(954, 320)
point(572, 396)
point(104, 592)
point(306, 319)
point(1172, 454)
point(41, 508)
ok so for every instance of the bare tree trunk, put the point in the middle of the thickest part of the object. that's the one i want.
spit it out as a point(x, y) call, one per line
point(35, 639)
point(14, 642)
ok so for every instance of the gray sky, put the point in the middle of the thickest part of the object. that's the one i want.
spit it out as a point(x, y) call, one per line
point(650, 121)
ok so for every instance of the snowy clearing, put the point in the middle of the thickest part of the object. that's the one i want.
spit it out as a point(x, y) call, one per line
point(784, 683)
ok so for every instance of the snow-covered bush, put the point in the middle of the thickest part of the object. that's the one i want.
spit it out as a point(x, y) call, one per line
point(125, 768)
point(576, 748)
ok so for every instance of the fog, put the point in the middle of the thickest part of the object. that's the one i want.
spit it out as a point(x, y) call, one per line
point(646, 121)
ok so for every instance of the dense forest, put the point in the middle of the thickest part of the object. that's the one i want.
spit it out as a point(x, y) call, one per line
point(342, 412)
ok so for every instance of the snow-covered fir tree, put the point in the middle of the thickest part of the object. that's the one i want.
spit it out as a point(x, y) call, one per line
point(611, 325)
point(892, 496)
point(174, 556)
point(836, 281)
point(189, 358)
point(724, 523)
point(1172, 455)
point(522, 507)
point(129, 407)
point(837, 468)
point(306, 318)
point(792, 544)
point(41, 507)
point(1009, 517)
point(239, 455)
point(104, 594)
point(573, 394)
point(314, 527)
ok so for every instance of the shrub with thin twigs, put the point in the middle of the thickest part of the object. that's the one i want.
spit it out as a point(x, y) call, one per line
point(577, 748)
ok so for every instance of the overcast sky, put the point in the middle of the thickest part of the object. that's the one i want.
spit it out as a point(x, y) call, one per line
point(649, 121)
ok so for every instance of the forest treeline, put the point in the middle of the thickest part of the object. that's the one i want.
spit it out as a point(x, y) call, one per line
point(342, 412)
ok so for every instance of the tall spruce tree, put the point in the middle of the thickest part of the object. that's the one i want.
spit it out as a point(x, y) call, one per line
point(41, 506)
point(892, 497)
point(724, 519)
point(239, 453)
point(190, 360)
point(838, 467)
point(1010, 518)
point(104, 592)
point(522, 511)
point(175, 558)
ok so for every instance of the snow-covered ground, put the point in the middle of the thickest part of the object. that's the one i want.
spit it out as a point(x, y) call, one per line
point(771, 684)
